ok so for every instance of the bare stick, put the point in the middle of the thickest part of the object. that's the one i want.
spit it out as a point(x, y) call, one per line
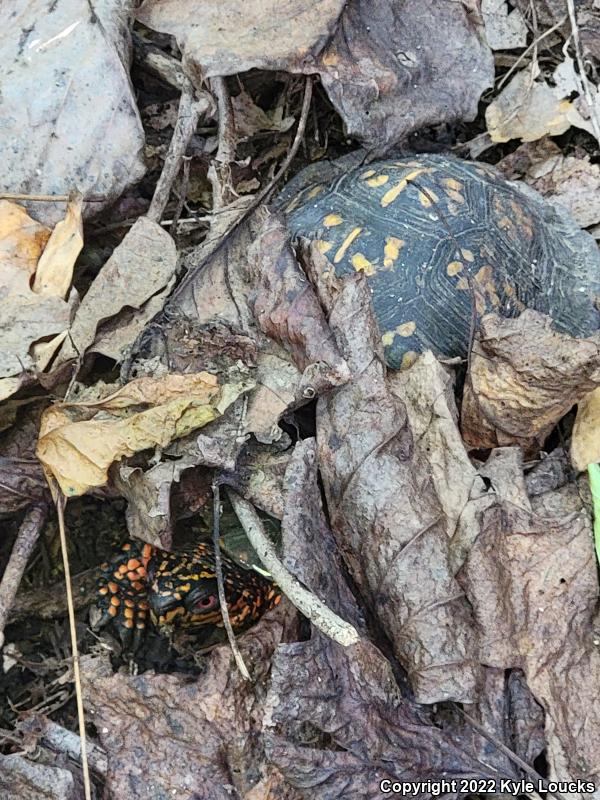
point(220, 584)
point(48, 198)
point(28, 534)
point(60, 502)
point(322, 617)
point(190, 109)
point(61, 740)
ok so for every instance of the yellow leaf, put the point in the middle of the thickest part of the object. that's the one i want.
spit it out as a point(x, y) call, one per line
point(55, 268)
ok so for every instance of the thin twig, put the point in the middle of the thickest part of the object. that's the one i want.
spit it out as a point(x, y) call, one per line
point(317, 612)
point(60, 503)
point(220, 583)
point(64, 741)
point(48, 198)
point(28, 534)
point(190, 109)
point(533, 46)
point(582, 74)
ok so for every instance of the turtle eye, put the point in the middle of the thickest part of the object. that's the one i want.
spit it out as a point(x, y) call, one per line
point(206, 603)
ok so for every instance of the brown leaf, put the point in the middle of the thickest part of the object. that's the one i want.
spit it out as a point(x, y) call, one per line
point(79, 442)
point(199, 736)
point(128, 291)
point(585, 441)
point(386, 516)
point(348, 693)
point(523, 377)
point(224, 37)
point(533, 585)
point(393, 67)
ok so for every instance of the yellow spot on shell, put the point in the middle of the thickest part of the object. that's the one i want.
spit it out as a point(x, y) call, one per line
point(331, 220)
point(378, 180)
point(408, 359)
point(391, 250)
point(407, 328)
point(454, 267)
point(368, 174)
point(468, 255)
point(456, 196)
point(462, 284)
point(452, 183)
point(399, 187)
point(362, 264)
point(316, 190)
point(323, 246)
point(354, 233)
point(293, 204)
point(484, 274)
point(388, 338)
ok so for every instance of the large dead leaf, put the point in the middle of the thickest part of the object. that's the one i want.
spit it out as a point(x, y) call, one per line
point(349, 694)
point(533, 585)
point(523, 377)
point(79, 442)
point(199, 736)
point(77, 137)
point(28, 315)
point(386, 516)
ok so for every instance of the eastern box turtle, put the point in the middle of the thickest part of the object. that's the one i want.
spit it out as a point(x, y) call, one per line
point(443, 241)
point(178, 590)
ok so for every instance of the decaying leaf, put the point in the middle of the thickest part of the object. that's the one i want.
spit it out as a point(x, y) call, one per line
point(349, 694)
point(533, 585)
point(28, 316)
point(199, 736)
point(386, 516)
point(76, 137)
point(54, 272)
point(585, 440)
point(128, 291)
point(78, 442)
point(524, 376)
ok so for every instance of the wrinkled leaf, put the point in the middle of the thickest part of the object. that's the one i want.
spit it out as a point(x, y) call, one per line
point(128, 291)
point(78, 442)
point(523, 378)
point(77, 137)
point(386, 516)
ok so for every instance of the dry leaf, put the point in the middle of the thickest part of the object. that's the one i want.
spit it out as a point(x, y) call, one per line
point(77, 136)
point(127, 292)
point(26, 317)
point(504, 29)
point(523, 377)
point(585, 440)
point(54, 272)
point(386, 516)
point(79, 442)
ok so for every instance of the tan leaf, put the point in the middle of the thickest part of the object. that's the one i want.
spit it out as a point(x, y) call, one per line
point(585, 441)
point(78, 443)
point(22, 241)
point(54, 272)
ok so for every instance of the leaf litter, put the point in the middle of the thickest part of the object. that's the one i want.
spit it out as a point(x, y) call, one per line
point(446, 516)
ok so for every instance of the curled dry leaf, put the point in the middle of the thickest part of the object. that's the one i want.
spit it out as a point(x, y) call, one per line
point(54, 272)
point(386, 516)
point(199, 737)
point(28, 316)
point(350, 694)
point(78, 442)
point(533, 585)
point(76, 136)
point(129, 290)
point(585, 441)
point(523, 377)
